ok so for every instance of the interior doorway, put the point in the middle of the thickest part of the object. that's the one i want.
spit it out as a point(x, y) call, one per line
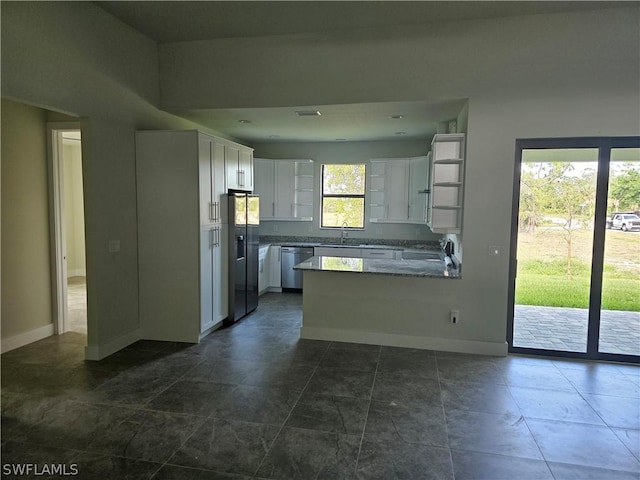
point(69, 229)
point(574, 280)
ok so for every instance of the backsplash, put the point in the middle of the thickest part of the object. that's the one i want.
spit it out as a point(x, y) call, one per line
point(349, 241)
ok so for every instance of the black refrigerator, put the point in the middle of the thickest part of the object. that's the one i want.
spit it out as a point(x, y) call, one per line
point(244, 222)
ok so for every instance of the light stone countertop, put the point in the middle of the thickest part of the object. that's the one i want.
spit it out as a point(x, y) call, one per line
point(408, 268)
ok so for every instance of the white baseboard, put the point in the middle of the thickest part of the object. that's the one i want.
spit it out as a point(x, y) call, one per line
point(407, 341)
point(98, 352)
point(26, 338)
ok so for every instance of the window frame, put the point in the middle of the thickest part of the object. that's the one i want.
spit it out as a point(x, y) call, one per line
point(342, 195)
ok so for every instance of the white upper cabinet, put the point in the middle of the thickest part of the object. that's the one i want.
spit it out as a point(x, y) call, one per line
point(213, 206)
point(238, 161)
point(285, 188)
point(444, 213)
point(394, 184)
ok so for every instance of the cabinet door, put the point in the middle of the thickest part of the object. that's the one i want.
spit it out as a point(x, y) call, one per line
point(275, 266)
point(285, 171)
point(206, 180)
point(207, 286)
point(338, 252)
point(418, 186)
point(245, 168)
point(265, 186)
point(232, 166)
point(396, 189)
point(220, 272)
point(218, 181)
point(380, 254)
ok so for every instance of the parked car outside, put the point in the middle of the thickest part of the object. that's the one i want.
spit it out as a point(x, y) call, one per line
point(625, 221)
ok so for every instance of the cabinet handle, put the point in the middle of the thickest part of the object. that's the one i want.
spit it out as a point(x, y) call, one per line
point(217, 236)
point(217, 211)
point(273, 209)
point(212, 215)
point(211, 238)
point(279, 254)
point(292, 211)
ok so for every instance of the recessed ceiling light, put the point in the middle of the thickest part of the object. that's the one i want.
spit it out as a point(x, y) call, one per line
point(308, 113)
point(274, 136)
point(401, 133)
point(244, 121)
point(396, 117)
point(341, 139)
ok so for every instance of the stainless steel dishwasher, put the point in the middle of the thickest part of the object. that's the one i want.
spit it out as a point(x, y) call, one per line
point(292, 256)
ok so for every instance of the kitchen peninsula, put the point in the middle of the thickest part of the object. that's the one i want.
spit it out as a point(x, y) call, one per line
point(403, 303)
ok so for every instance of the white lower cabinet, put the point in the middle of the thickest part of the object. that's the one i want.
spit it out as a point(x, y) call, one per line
point(275, 268)
point(264, 269)
point(214, 296)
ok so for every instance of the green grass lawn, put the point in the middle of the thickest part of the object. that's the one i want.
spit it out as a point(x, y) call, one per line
point(542, 271)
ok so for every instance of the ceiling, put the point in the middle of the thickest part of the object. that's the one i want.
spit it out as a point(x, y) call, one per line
point(172, 21)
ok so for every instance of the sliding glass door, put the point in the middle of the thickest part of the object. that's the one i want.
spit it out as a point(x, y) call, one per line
point(575, 263)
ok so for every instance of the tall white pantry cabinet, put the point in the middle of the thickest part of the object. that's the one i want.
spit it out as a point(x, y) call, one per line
point(182, 232)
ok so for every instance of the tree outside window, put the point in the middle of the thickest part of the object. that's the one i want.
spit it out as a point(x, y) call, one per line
point(343, 195)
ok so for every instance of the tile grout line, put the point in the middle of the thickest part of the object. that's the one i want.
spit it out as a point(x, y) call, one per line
point(366, 418)
point(444, 411)
point(315, 368)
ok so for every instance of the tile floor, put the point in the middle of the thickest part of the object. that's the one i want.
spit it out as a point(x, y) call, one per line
point(255, 401)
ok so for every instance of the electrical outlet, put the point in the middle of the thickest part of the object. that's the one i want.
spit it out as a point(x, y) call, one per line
point(454, 317)
point(494, 251)
point(114, 246)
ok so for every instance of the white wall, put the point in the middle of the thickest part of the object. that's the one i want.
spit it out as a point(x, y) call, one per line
point(75, 58)
point(26, 285)
point(344, 152)
point(560, 75)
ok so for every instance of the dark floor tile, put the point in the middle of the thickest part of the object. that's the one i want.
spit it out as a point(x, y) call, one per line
point(419, 362)
point(349, 346)
point(342, 383)
point(616, 411)
point(257, 404)
point(575, 443)
point(171, 472)
point(563, 471)
point(20, 412)
point(468, 368)
point(192, 398)
point(73, 424)
point(52, 381)
point(536, 376)
point(491, 433)
point(418, 424)
point(16, 456)
point(146, 435)
point(291, 376)
point(390, 461)
point(631, 438)
point(602, 382)
point(304, 454)
point(406, 388)
point(99, 467)
point(486, 466)
point(129, 388)
point(124, 359)
point(478, 397)
point(329, 413)
point(555, 405)
point(227, 446)
point(365, 360)
point(170, 365)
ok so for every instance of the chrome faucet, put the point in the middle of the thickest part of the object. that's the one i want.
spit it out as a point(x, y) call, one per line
point(343, 233)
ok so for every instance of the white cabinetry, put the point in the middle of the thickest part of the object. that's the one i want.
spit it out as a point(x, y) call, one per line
point(238, 161)
point(444, 212)
point(182, 232)
point(275, 268)
point(264, 269)
point(285, 188)
point(393, 188)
